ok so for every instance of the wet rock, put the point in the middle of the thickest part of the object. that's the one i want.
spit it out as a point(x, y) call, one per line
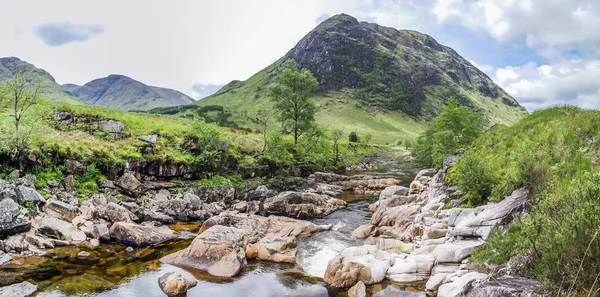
point(38, 241)
point(11, 222)
point(362, 232)
point(302, 204)
point(173, 284)
point(273, 248)
point(150, 139)
point(83, 254)
point(117, 213)
point(354, 264)
point(461, 286)
point(219, 250)
point(390, 245)
point(60, 210)
point(358, 290)
point(139, 235)
point(25, 194)
point(24, 289)
point(130, 184)
point(361, 184)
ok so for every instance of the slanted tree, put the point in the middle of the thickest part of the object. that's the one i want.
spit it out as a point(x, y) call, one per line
point(18, 95)
point(336, 136)
point(291, 95)
point(456, 127)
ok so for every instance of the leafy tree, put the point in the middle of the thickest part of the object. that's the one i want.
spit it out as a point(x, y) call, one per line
point(261, 116)
point(336, 136)
point(457, 126)
point(18, 95)
point(368, 138)
point(291, 95)
point(353, 137)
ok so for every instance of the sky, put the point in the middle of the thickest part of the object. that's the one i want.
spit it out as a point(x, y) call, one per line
point(543, 53)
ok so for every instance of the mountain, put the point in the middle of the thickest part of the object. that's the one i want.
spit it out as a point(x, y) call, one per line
point(377, 80)
point(51, 90)
point(122, 92)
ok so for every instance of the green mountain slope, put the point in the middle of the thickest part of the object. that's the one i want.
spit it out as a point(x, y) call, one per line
point(122, 92)
point(377, 80)
point(51, 90)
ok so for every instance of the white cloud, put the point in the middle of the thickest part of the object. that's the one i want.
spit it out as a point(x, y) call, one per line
point(540, 23)
point(536, 87)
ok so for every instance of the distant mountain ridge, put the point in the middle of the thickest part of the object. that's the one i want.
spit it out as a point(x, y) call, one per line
point(122, 92)
point(376, 79)
point(51, 90)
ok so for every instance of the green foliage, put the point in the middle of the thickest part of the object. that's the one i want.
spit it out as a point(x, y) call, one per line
point(474, 179)
point(88, 181)
point(216, 180)
point(353, 137)
point(456, 127)
point(278, 149)
point(398, 142)
point(367, 138)
point(556, 154)
point(291, 95)
point(207, 143)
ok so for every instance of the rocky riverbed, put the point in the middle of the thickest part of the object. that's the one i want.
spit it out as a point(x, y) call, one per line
point(319, 236)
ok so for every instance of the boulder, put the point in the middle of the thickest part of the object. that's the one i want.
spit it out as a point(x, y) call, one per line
point(365, 263)
point(461, 286)
point(111, 126)
point(75, 167)
point(13, 175)
point(389, 192)
point(482, 220)
point(506, 286)
point(52, 227)
point(24, 289)
point(454, 252)
point(302, 204)
point(219, 250)
point(209, 194)
point(139, 235)
point(25, 194)
point(28, 180)
point(150, 139)
point(8, 193)
point(101, 232)
point(70, 184)
point(173, 284)
point(358, 290)
point(38, 241)
point(412, 269)
point(117, 213)
point(11, 222)
point(4, 257)
point(427, 172)
point(60, 210)
point(130, 184)
point(15, 244)
point(362, 232)
point(273, 248)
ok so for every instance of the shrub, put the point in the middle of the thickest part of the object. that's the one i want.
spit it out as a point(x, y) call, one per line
point(353, 137)
point(472, 177)
point(398, 142)
point(208, 143)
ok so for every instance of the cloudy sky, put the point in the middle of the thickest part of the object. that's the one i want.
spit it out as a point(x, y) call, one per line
point(542, 52)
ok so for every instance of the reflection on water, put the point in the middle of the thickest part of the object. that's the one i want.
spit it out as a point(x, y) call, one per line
point(111, 271)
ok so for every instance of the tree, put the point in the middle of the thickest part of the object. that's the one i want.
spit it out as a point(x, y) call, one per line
point(291, 95)
point(336, 136)
point(261, 116)
point(18, 95)
point(457, 126)
point(208, 143)
point(353, 137)
point(368, 138)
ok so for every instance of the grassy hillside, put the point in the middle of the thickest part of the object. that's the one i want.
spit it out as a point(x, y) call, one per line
point(374, 79)
point(556, 154)
point(51, 90)
point(122, 92)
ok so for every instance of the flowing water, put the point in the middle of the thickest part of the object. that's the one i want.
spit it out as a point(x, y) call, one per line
point(112, 271)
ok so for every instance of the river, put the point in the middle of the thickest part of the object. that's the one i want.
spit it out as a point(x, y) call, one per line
point(113, 271)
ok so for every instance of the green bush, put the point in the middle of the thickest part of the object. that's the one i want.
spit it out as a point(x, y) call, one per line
point(473, 178)
point(398, 142)
point(353, 137)
point(456, 127)
point(208, 142)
